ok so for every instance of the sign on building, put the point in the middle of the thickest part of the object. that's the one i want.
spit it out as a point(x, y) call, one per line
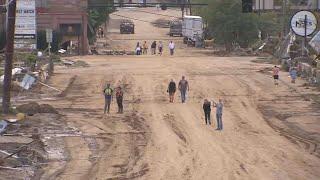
point(25, 29)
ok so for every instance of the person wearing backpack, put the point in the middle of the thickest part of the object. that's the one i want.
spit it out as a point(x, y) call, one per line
point(108, 91)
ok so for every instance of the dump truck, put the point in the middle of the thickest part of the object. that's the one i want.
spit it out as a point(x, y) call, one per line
point(192, 29)
point(175, 28)
point(126, 27)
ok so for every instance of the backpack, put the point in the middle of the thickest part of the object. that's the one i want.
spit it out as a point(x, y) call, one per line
point(108, 91)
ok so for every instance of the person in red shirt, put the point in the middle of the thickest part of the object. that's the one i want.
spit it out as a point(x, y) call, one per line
point(276, 71)
point(119, 97)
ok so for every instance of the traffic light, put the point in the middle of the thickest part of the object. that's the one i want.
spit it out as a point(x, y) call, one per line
point(163, 7)
point(247, 6)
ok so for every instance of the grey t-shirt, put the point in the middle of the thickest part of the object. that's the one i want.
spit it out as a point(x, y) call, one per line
point(219, 108)
point(183, 85)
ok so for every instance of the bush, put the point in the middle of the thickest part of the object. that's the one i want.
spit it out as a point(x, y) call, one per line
point(55, 58)
point(42, 41)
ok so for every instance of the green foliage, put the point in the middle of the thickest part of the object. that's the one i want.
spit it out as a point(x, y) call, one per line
point(98, 16)
point(55, 58)
point(31, 59)
point(229, 25)
point(42, 41)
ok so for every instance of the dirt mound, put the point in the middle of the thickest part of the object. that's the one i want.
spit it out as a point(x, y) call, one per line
point(30, 108)
point(80, 64)
point(161, 23)
point(46, 108)
point(34, 108)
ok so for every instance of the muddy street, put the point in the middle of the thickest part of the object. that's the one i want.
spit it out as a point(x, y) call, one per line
point(270, 132)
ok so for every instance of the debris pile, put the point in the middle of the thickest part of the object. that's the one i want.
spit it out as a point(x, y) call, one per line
point(34, 108)
point(71, 63)
point(117, 52)
point(27, 144)
point(161, 23)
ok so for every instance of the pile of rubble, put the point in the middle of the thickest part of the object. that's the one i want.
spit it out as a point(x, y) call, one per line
point(26, 141)
point(71, 63)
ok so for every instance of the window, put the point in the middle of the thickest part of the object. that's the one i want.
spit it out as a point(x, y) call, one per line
point(41, 3)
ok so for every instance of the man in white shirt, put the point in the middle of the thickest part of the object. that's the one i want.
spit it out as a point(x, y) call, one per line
point(171, 47)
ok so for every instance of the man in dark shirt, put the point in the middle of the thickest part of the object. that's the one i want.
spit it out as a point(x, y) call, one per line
point(172, 90)
point(119, 97)
point(183, 87)
point(207, 111)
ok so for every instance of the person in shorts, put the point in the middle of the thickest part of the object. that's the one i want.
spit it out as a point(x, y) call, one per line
point(276, 71)
point(172, 90)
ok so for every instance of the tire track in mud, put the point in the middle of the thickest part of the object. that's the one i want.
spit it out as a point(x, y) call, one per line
point(308, 143)
point(126, 145)
point(127, 149)
point(299, 137)
point(172, 123)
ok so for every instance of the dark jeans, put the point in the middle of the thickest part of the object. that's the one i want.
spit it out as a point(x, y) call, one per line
point(120, 105)
point(171, 52)
point(207, 117)
point(107, 104)
point(219, 121)
point(183, 95)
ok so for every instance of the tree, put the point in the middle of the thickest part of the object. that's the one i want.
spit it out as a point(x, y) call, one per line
point(98, 14)
point(229, 25)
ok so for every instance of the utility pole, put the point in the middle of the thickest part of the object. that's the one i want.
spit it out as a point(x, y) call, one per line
point(304, 42)
point(11, 21)
point(284, 13)
point(189, 1)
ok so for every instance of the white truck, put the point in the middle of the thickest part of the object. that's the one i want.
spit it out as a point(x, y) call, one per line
point(192, 28)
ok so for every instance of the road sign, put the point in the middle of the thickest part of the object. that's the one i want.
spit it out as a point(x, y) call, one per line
point(303, 23)
point(49, 35)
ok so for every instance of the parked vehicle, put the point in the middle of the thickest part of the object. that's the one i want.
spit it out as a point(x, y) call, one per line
point(127, 27)
point(175, 28)
point(192, 28)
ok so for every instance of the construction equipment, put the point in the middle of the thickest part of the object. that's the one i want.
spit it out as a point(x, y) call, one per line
point(175, 28)
point(192, 29)
point(126, 27)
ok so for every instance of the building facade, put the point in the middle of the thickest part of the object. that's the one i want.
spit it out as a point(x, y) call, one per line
point(293, 4)
point(68, 17)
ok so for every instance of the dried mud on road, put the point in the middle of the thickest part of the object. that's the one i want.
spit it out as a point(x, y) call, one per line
point(269, 132)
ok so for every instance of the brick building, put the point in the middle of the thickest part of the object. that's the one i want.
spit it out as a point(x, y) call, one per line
point(69, 17)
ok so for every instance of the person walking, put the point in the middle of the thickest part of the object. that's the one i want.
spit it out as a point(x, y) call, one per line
point(145, 48)
point(108, 92)
point(153, 47)
point(119, 97)
point(183, 87)
point(276, 71)
point(207, 111)
point(171, 47)
point(138, 49)
point(219, 109)
point(171, 90)
point(160, 48)
point(293, 74)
